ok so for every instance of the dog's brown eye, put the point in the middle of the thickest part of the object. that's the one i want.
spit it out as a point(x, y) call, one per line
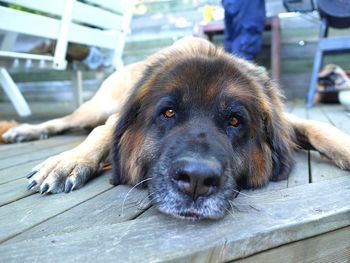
point(169, 113)
point(234, 121)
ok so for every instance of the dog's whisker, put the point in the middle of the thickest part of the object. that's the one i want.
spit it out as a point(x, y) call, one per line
point(233, 206)
point(148, 197)
point(149, 202)
point(126, 195)
point(229, 211)
point(139, 204)
point(239, 192)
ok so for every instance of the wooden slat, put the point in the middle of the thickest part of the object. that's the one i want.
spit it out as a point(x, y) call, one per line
point(300, 173)
point(117, 6)
point(10, 150)
point(21, 55)
point(77, 33)
point(93, 37)
point(81, 12)
point(18, 171)
point(152, 211)
point(98, 17)
point(110, 207)
point(271, 186)
point(28, 212)
point(338, 116)
point(14, 190)
point(23, 164)
point(322, 168)
point(278, 217)
point(329, 247)
point(33, 25)
point(11, 161)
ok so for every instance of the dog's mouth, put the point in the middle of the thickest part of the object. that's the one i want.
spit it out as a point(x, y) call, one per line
point(192, 213)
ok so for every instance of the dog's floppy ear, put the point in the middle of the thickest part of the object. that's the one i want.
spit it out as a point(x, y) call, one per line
point(279, 137)
point(127, 118)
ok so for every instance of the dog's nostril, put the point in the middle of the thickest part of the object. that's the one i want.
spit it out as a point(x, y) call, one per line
point(182, 177)
point(211, 181)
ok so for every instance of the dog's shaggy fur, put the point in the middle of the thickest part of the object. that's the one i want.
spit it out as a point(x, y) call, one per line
point(193, 123)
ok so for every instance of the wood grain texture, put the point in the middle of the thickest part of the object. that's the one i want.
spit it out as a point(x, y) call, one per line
point(37, 155)
point(35, 209)
point(338, 116)
point(116, 205)
point(19, 171)
point(13, 191)
point(269, 220)
point(321, 167)
point(15, 150)
point(300, 172)
point(330, 247)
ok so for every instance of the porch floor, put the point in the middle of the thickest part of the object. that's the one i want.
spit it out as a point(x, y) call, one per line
point(305, 218)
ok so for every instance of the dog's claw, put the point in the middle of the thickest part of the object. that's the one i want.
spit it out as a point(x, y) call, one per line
point(68, 186)
point(31, 185)
point(28, 176)
point(44, 189)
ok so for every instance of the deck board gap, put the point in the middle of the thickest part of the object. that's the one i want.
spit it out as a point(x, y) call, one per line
point(143, 210)
point(309, 166)
point(19, 198)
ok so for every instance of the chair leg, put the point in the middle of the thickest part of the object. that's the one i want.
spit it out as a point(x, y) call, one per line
point(77, 81)
point(316, 69)
point(14, 94)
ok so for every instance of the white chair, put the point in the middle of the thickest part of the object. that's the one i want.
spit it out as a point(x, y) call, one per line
point(99, 23)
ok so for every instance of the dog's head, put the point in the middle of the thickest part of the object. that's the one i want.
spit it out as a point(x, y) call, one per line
point(198, 126)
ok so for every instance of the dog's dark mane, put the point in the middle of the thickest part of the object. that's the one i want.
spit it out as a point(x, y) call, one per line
point(275, 132)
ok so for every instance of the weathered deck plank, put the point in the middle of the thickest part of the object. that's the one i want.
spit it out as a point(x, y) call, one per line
point(13, 191)
point(12, 180)
point(321, 167)
point(14, 168)
point(14, 150)
point(338, 116)
point(329, 247)
point(116, 205)
point(11, 161)
point(19, 171)
point(278, 217)
point(35, 209)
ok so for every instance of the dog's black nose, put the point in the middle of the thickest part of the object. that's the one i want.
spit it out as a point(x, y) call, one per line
point(197, 177)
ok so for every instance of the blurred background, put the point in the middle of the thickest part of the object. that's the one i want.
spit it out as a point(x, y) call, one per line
point(158, 23)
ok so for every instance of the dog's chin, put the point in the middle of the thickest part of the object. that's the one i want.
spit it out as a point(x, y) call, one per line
point(192, 215)
point(184, 208)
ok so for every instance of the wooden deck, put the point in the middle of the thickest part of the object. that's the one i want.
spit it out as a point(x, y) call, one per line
point(303, 219)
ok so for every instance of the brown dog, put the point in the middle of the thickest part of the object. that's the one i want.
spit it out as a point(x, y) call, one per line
point(192, 122)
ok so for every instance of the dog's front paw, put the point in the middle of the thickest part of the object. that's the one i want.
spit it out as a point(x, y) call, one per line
point(24, 132)
point(62, 173)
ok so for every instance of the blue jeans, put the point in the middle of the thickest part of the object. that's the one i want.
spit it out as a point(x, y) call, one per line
point(244, 25)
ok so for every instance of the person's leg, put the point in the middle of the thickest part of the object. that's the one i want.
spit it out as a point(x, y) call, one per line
point(247, 22)
point(231, 8)
point(228, 32)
